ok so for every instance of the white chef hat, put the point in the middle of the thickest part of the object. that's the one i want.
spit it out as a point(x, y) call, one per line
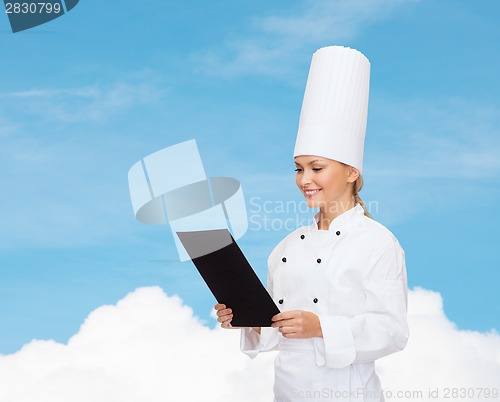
point(335, 107)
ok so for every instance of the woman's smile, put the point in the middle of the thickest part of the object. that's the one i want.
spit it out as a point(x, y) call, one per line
point(311, 193)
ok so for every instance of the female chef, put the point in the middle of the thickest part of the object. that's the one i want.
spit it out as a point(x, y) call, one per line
point(340, 283)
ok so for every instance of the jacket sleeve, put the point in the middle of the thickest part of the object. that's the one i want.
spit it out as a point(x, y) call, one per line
point(251, 342)
point(382, 328)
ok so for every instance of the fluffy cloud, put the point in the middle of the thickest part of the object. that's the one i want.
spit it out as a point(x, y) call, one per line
point(150, 347)
point(441, 358)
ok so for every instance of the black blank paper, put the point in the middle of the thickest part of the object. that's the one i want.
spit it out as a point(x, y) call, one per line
point(230, 277)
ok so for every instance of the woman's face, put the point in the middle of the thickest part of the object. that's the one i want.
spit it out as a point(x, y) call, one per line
point(324, 182)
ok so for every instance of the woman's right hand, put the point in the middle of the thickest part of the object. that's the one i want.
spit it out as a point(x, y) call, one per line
point(224, 315)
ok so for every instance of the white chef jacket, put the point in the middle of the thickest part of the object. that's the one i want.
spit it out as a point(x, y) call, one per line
point(353, 277)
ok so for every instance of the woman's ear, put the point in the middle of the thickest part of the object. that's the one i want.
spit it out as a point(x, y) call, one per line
point(353, 174)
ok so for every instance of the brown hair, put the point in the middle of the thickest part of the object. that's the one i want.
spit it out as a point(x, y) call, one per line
point(358, 185)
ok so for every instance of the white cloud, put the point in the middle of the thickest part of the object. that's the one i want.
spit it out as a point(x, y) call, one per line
point(271, 46)
point(441, 357)
point(150, 347)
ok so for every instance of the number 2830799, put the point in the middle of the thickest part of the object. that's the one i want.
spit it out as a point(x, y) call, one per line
point(33, 8)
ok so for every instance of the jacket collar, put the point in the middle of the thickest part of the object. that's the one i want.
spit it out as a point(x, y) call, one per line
point(343, 221)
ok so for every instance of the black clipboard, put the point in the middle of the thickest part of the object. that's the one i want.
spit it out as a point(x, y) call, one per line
point(228, 274)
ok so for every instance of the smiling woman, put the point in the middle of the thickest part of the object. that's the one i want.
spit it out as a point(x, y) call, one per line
point(341, 282)
point(329, 185)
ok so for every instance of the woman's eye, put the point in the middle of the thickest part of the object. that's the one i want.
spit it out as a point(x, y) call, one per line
point(298, 170)
point(317, 169)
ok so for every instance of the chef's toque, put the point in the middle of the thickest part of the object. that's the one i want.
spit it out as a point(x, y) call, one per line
point(335, 107)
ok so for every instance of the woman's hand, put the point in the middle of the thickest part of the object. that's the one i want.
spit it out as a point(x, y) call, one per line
point(225, 315)
point(298, 324)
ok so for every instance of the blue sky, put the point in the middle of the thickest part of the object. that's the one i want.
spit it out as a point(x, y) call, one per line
point(84, 97)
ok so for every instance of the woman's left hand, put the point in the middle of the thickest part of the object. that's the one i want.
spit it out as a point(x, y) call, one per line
point(298, 324)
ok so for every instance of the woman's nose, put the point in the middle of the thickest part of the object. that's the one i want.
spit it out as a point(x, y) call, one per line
point(305, 178)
